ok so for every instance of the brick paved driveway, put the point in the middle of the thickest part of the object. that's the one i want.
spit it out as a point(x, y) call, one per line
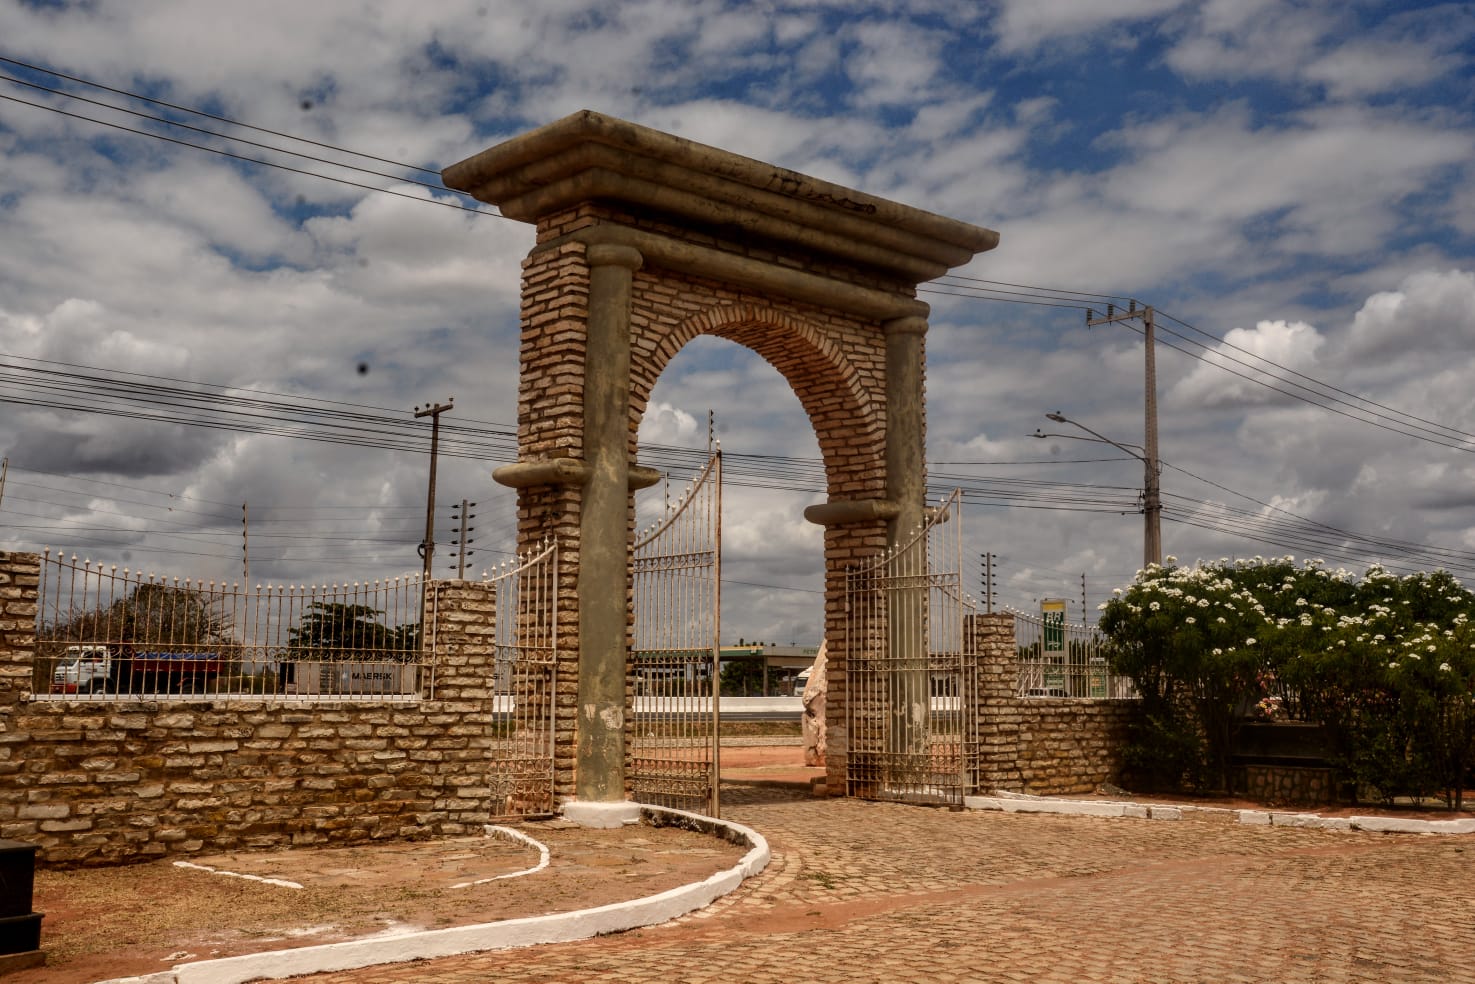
point(879, 892)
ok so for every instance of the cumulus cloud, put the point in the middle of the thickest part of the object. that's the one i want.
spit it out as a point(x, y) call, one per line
point(1302, 169)
point(1218, 381)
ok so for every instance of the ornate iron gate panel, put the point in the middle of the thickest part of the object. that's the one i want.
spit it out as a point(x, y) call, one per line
point(526, 599)
point(911, 669)
point(673, 731)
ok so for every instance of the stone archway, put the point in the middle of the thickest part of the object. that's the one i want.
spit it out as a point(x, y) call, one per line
point(645, 240)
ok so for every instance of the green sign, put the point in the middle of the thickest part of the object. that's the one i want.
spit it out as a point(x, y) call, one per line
point(1052, 617)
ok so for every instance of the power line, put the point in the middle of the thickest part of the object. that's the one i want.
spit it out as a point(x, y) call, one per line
point(211, 116)
point(257, 160)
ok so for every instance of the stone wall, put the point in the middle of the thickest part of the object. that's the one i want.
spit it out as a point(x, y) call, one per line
point(111, 781)
point(1040, 745)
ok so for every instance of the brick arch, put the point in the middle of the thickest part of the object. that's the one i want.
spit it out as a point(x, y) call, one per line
point(644, 241)
point(848, 419)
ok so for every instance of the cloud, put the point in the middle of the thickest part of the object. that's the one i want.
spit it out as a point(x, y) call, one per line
point(1024, 25)
point(1292, 347)
point(1430, 316)
point(1349, 52)
point(1294, 175)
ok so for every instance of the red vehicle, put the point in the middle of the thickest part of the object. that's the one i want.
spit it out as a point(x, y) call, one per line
point(87, 669)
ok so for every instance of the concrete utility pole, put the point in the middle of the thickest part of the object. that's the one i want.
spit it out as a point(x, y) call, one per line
point(433, 411)
point(1152, 504)
point(1152, 542)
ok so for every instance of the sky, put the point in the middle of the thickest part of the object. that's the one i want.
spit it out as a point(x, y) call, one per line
point(1290, 186)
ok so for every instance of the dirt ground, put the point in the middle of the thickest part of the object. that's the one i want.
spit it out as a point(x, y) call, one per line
point(111, 922)
point(140, 919)
point(114, 922)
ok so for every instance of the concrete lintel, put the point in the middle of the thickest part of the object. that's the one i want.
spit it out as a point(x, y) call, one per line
point(602, 816)
point(703, 261)
point(550, 471)
point(837, 512)
point(600, 184)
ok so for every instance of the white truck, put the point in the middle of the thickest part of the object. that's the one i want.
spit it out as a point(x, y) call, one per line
point(91, 669)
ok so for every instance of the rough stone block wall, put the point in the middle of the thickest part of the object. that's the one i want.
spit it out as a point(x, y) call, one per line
point(95, 782)
point(1040, 745)
point(1290, 785)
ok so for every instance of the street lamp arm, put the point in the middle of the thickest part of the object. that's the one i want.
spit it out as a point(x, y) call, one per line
point(1060, 418)
point(1152, 503)
point(1100, 440)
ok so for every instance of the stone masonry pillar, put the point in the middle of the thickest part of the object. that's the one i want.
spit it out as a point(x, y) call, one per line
point(604, 576)
point(906, 605)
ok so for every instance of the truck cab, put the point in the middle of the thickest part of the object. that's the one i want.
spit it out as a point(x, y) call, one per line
point(82, 670)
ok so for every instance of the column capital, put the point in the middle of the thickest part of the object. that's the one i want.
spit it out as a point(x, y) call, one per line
point(909, 325)
point(613, 254)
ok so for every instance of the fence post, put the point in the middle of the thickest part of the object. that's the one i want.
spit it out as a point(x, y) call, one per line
point(20, 580)
point(997, 706)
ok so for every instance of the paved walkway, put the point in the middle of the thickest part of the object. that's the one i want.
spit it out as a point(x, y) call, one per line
point(880, 892)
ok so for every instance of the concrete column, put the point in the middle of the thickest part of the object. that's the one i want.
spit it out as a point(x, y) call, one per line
point(910, 684)
point(906, 468)
point(604, 575)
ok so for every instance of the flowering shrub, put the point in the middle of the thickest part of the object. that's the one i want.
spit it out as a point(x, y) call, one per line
point(1385, 663)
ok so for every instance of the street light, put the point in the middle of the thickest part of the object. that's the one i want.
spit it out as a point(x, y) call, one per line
point(1152, 504)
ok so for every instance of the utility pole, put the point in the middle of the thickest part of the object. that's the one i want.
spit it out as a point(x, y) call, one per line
point(1085, 619)
point(1152, 503)
point(433, 411)
point(4, 467)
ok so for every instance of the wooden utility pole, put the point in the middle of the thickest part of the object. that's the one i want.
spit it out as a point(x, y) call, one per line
point(1152, 504)
point(433, 411)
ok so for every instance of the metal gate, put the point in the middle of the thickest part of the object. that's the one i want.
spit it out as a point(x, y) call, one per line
point(526, 599)
point(673, 731)
point(911, 665)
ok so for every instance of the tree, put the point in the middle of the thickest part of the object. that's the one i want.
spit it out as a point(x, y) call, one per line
point(341, 631)
point(153, 614)
point(1386, 665)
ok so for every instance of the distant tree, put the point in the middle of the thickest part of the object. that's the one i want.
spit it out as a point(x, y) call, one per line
point(342, 631)
point(151, 615)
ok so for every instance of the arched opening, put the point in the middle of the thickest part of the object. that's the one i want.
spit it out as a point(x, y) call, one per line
point(773, 560)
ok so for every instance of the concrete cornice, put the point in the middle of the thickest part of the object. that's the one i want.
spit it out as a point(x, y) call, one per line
point(564, 471)
point(591, 157)
point(838, 512)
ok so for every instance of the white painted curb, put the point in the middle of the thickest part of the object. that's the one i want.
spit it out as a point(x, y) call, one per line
point(1009, 802)
point(559, 927)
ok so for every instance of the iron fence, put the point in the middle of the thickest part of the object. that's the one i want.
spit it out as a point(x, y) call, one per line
point(911, 669)
point(677, 582)
point(1072, 664)
point(107, 634)
point(525, 594)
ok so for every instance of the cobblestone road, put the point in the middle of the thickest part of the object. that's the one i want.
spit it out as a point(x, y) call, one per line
point(879, 892)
